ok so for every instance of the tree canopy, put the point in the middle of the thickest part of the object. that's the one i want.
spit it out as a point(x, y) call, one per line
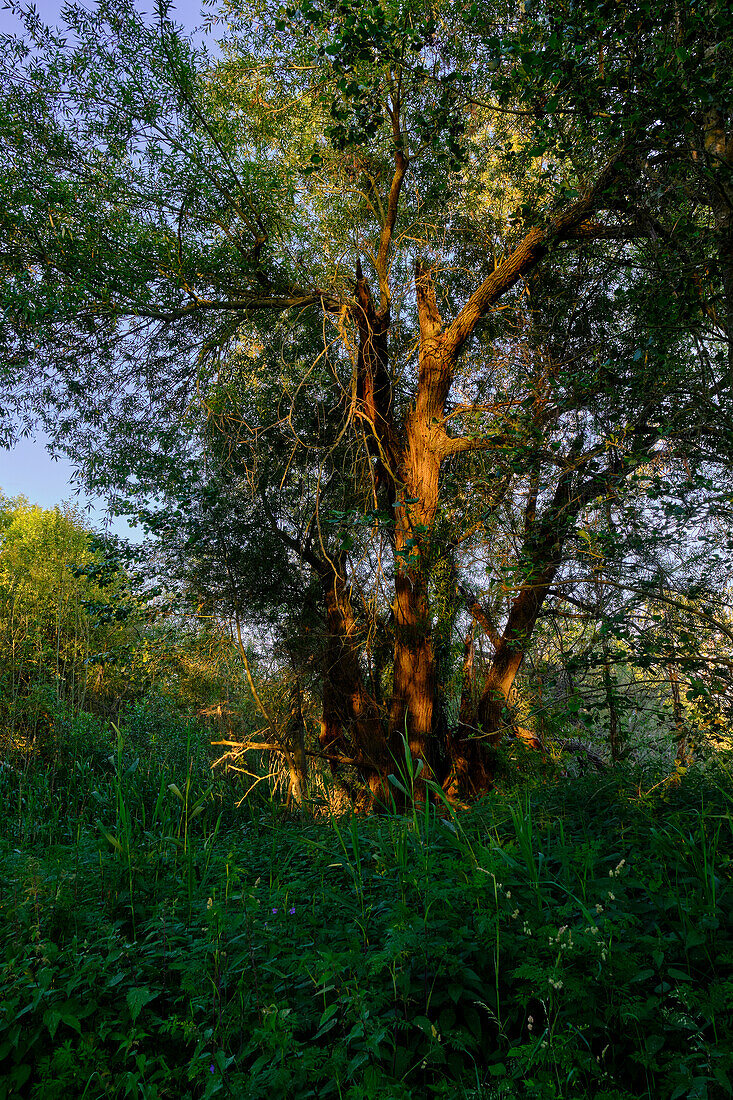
point(408, 317)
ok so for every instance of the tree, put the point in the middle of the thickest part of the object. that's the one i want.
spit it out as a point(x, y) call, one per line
point(390, 177)
point(63, 617)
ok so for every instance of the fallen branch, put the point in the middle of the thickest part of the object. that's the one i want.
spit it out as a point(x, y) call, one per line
point(572, 745)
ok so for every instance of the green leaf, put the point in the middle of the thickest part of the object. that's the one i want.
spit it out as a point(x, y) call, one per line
point(70, 1019)
point(137, 999)
point(396, 783)
point(20, 1075)
point(328, 1020)
point(643, 975)
point(112, 839)
point(52, 1019)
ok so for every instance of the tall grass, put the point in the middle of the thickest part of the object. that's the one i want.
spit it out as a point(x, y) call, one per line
point(568, 940)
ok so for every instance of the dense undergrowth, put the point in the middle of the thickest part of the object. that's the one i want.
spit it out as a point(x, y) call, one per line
point(570, 938)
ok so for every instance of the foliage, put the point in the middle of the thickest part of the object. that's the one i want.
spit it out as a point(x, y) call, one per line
point(377, 284)
point(64, 618)
point(407, 331)
point(84, 633)
point(567, 940)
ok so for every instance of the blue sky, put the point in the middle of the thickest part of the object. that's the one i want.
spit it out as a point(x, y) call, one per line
point(28, 470)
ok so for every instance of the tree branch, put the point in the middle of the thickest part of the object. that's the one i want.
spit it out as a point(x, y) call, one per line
point(243, 305)
point(528, 252)
point(480, 614)
point(393, 203)
point(596, 231)
point(427, 306)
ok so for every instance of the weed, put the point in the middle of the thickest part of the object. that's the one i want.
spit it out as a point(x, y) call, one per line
point(568, 941)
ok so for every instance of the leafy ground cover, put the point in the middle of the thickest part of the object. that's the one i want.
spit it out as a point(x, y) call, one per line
point(570, 939)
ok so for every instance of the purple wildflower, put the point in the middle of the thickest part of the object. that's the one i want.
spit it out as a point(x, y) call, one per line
point(291, 911)
point(274, 911)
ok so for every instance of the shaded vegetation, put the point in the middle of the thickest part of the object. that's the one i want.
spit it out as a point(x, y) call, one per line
point(564, 938)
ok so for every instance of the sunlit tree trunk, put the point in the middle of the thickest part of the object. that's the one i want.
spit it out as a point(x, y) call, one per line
point(408, 459)
point(413, 711)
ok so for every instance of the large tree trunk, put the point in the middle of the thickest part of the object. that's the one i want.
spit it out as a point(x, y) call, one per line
point(413, 710)
point(493, 719)
point(408, 460)
point(351, 725)
point(407, 472)
point(413, 689)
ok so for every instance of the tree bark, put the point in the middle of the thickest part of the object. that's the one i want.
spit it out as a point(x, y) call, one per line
point(543, 550)
point(413, 711)
point(470, 772)
point(408, 463)
point(351, 724)
point(413, 691)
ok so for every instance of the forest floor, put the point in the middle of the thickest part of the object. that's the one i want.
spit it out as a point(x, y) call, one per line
point(567, 938)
